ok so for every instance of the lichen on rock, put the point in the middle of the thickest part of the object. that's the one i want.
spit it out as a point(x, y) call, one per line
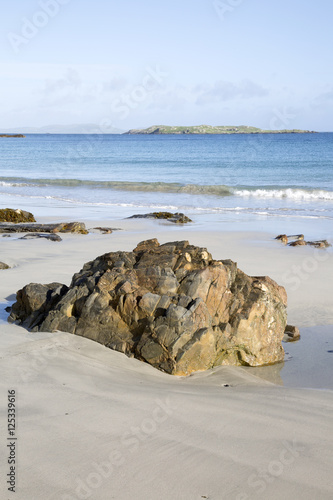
point(15, 215)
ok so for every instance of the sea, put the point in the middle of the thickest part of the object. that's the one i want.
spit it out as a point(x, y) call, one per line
point(242, 181)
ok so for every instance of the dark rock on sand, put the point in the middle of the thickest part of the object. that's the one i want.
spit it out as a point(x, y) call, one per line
point(297, 243)
point(3, 266)
point(64, 227)
point(297, 237)
point(105, 230)
point(48, 236)
point(35, 301)
point(283, 238)
point(178, 218)
point(291, 334)
point(319, 244)
point(16, 216)
point(170, 305)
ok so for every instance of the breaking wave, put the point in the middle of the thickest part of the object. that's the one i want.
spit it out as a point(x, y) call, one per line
point(289, 193)
point(278, 192)
point(163, 187)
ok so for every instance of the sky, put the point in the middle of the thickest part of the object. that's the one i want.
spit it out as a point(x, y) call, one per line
point(137, 63)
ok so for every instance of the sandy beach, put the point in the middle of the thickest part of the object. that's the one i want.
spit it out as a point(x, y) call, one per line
point(92, 423)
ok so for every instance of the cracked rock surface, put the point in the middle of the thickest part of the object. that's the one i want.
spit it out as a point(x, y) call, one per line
point(170, 305)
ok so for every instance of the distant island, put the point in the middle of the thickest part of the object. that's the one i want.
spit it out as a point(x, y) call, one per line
point(12, 135)
point(209, 129)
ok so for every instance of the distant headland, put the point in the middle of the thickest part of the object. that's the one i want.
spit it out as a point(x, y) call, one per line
point(12, 135)
point(209, 129)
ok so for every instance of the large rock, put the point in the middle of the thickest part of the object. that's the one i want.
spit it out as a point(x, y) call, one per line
point(170, 305)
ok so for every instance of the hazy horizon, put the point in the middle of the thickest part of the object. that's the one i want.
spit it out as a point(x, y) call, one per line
point(124, 66)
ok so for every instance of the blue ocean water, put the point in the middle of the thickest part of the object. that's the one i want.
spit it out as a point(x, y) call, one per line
point(111, 176)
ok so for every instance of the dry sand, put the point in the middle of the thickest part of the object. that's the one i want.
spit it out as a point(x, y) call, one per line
point(92, 423)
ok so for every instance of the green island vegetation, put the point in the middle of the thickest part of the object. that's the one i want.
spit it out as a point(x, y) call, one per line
point(209, 129)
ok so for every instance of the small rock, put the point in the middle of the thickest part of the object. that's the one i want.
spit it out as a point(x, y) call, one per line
point(104, 230)
point(3, 266)
point(319, 244)
point(71, 227)
point(291, 334)
point(296, 237)
point(51, 236)
point(297, 243)
point(283, 238)
point(177, 218)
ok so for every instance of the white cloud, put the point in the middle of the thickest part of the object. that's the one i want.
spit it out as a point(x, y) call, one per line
point(225, 91)
point(325, 97)
point(71, 80)
point(114, 84)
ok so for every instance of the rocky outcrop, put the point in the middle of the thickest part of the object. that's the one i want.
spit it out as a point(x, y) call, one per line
point(3, 266)
point(170, 305)
point(178, 218)
point(63, 227)
point(298, 240)
point(12, 135)
point(16, 216)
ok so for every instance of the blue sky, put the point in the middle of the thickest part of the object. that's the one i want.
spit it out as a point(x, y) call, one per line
point(137, 63)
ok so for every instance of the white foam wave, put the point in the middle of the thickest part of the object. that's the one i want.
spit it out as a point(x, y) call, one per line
point(13, 184)
point(294, 194)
